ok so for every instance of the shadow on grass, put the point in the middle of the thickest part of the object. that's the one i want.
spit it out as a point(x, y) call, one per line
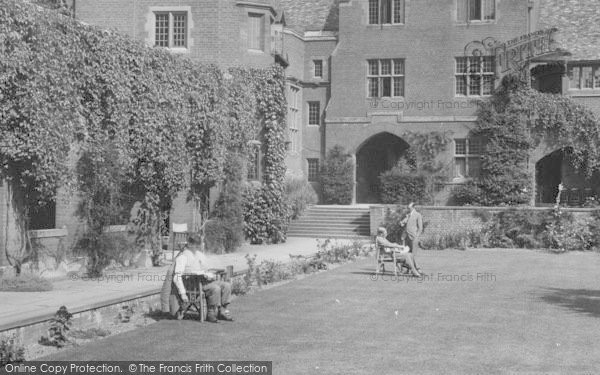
point(583, 301)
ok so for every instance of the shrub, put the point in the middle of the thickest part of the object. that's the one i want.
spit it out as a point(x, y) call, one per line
point(454, 240)
point(10, 351)
point(229, 210)
point(299, 194)
point(263, 222)
point(466, 194)
point(102, 249)
point(59, 327)
point(401, 188)
point(336, 177)
point(24, 283)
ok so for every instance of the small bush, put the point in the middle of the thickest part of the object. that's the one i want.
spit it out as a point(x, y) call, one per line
point(299, 194)
point(228, 227)
point(24, 283)
point(59, 328)
point(454, 240)
point(336, 177)
point(240, 286)
point(398, 187)
point(466, 194)
point(10, 351)
point(263, 223)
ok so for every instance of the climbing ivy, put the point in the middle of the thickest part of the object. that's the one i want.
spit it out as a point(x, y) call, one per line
point(69, 89)
point(516, 120)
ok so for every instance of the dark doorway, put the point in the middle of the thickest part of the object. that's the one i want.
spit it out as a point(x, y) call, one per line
point(378, 154)
point(558, 168)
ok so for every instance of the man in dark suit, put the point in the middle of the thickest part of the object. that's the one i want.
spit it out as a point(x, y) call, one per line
point(413, 229)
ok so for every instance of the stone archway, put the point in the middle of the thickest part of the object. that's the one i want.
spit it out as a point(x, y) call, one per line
point(557, 168)
point(377, 154)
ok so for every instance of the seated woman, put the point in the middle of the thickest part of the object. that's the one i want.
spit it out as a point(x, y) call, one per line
point(402, 255)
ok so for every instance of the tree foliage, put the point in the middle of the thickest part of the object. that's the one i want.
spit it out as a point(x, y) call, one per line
point(337, 177)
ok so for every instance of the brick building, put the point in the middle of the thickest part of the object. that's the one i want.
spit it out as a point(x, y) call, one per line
point(367, 74)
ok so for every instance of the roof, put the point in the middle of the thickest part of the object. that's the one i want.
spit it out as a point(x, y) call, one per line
point(311, 15)
point(578, 23)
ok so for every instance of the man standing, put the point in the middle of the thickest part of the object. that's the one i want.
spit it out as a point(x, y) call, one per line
point(191, 261)
point(414, 228)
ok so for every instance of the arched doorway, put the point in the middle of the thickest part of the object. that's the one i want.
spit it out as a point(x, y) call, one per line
point(378, 154)
point(558, 168)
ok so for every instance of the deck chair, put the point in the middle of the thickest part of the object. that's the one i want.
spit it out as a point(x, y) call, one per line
point(179, 235)
point(381, 257)
point(197, 301)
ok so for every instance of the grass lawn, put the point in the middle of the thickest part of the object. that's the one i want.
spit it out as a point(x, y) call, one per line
point(477, 311)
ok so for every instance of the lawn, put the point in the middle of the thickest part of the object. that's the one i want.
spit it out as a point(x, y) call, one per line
point(477, 311)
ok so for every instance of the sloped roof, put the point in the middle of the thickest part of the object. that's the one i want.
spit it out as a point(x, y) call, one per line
point(311, 15)
point(578, 23)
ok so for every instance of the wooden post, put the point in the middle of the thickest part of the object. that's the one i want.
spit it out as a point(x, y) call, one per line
point(229, 273)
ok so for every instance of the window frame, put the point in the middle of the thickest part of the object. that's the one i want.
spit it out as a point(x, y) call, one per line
point(595, 77)
point(381, 77)
point(313, 165)
point(310, 118)
point(171, 28)
point(254, 164)
point(261, 32)
point(293, 117)
point(466, 17)
point(318, 65)
point(472, 69)
point(397, 12)
point(469, 143)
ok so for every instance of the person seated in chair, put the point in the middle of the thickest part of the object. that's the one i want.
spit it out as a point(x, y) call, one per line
point(191, 261)
point(402, 254)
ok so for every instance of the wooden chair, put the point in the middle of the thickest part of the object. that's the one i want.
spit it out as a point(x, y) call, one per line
point(197, 301)
point(179, 236)
point(381, 257)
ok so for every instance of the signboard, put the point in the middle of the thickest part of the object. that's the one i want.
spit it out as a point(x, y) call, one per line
point(515, 54)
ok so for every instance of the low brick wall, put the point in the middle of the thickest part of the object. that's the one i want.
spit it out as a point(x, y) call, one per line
point(450, 219)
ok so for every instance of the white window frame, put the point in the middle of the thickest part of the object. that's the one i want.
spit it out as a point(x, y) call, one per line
point(474, 69)
point(294, 100)
point(317, 62)
point(595, 83)
point(171, 14)
point(466, 156)
point(398, 10)
point(309, 103)
point(261, 32)
point(380, 76)
point(466, 17)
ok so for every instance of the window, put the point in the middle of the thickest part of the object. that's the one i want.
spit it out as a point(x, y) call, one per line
point(170, 30)
point(385, 78)
point(313, 170)
point(314, 113)
point(293, 117)
point(256, 32)
point(254, 164)
point(475, 75)
point(386, 12)
point(475, 10)
point(318, 68)
point(467, 157)
point(584, 77)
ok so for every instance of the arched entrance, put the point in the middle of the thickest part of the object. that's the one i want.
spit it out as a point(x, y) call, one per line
point(558, 168)
point(378, 154)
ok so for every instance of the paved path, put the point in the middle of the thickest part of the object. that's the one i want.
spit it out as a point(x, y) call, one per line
point(476, 312)
point(82, 294)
